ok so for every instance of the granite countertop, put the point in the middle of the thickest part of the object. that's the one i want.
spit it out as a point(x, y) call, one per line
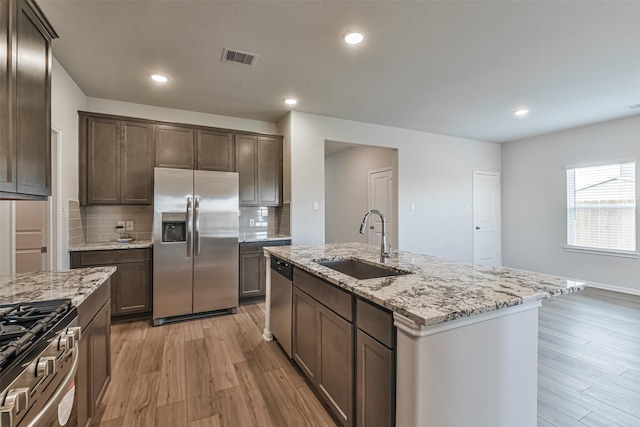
point(76, 284)
point(249, 238)
point(106, 246)
point(438, 290)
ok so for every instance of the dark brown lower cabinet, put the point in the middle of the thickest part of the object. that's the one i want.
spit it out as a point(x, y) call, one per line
point(323, 349)
point(131, 284)
point(304, 348)
point(335, 362)
point(253, 267)
point(252, 275)
point(94, 368)
point(346, 347)
point(375, 383)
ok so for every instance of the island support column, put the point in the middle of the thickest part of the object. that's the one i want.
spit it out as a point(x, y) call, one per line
point(266, 334)
point(476, 371)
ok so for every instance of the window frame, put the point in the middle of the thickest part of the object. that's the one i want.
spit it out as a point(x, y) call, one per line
point(602, 251)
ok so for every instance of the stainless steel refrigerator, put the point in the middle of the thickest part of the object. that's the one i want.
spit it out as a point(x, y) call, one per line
point(195, 251)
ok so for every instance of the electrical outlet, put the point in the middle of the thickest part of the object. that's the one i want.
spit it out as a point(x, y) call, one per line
point(129, 225)
point(252, 223)
point(121, 224)
point(315, 206)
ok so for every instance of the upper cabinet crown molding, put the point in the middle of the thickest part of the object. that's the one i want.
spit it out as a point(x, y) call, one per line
point(25, 101)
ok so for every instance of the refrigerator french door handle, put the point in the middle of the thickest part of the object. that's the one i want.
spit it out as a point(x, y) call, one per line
point(196, 220)
point(189, 227)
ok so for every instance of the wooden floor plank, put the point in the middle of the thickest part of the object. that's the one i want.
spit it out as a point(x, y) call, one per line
point(239, 349)
point(213, 421)
point(172, 387)
point(201, 394)
point(152, 350)
point(220, 363)
point(171, 415)
point(114, 404)
point(141, 408)
point(234, 411)
point(259, 396)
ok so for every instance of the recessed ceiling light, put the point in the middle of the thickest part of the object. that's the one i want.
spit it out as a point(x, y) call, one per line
point(290, 101)
point(353, 37)
point(159, 78)
point(521, 112)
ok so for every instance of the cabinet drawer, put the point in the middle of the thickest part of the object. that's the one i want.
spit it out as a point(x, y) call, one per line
point(116, 256)
point(327, 294)
point(376, 322)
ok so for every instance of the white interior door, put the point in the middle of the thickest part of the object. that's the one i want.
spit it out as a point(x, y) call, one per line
point(380, 198)
point(486, 218)
point(31, 236)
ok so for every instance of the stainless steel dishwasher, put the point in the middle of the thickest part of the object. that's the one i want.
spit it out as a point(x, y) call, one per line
point(281, 297)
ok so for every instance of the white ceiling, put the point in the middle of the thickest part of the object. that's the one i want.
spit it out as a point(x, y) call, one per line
point(449, 67)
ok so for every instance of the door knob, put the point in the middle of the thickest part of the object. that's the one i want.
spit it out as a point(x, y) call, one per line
point(477, 228)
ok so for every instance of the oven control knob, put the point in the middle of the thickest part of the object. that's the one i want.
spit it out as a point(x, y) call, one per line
point(65, 342)
point(46, 366)
point(18, 398)
point(6, 416)
point(76, 331)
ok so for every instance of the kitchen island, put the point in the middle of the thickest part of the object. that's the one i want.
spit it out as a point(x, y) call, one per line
point(467, 335)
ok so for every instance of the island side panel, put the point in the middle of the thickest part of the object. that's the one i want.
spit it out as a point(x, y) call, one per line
point(479, 371)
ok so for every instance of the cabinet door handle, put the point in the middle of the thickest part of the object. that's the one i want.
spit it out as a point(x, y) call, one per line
point(196, 220)
point(189, 227)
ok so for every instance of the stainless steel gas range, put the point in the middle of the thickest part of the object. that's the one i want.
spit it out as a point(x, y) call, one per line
point(38, 363)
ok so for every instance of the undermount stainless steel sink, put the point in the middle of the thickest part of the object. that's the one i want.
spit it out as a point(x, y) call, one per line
point(360, 269)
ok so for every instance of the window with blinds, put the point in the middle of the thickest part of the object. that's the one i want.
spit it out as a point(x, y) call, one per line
point(601, 207)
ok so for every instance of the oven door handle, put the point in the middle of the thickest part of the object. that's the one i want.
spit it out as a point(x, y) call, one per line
point(51, 407)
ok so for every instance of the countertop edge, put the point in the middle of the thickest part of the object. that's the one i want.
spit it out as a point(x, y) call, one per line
point(350, 284)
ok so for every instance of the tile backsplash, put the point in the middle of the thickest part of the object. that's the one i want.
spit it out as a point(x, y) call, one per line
point(90, 224)
point(101, 221)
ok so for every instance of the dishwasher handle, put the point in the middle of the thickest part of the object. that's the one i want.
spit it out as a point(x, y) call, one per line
point(282, 267)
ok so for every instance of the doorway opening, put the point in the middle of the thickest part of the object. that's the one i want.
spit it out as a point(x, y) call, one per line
point(349, 192)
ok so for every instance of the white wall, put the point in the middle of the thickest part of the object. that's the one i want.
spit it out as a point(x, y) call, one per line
point(347, 192)
point(534, 201)
point(108, 106)
point(66, 100)
point(434, 171)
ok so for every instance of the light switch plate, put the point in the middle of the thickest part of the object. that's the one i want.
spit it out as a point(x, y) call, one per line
point(315, 206)
point(129, 225)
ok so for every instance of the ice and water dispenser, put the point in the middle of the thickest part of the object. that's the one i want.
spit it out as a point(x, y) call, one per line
point(174, 227)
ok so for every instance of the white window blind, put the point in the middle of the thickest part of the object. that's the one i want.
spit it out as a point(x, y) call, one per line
point(601, 207)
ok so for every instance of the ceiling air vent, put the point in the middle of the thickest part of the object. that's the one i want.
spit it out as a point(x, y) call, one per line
point(634, 106)
point(238, 57)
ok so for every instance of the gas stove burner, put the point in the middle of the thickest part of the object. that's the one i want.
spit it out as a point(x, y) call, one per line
point(22, 324)
point(10, 332)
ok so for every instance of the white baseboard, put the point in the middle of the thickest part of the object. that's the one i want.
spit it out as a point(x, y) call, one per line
point(614, 288)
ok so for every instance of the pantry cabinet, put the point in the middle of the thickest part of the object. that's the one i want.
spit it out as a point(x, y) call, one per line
point(25, 101)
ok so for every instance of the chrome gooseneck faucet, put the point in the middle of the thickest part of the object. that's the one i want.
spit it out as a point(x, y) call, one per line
point(385, 252)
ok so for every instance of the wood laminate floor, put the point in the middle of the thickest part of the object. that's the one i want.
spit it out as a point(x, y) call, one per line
point(219, 372)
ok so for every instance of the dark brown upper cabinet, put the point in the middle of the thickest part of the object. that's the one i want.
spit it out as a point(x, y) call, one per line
point(259, 163)
point(116, 161)
point(215, 151)
point(25, 101)
point(247, 168)
point(175, 147)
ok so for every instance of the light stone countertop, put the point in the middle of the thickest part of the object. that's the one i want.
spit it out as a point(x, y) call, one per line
point(249, 238)
point(106, 246)
point(438, 290)
point(76, 284)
